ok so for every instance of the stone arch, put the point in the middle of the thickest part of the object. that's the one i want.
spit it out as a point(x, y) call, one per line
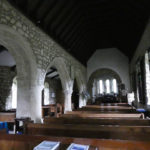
point(61, 67)
point(20, 49)
point(100, 73)
point(59, 64)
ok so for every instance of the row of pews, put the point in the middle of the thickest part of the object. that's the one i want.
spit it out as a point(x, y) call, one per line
point(109, 125)
point(116, 126)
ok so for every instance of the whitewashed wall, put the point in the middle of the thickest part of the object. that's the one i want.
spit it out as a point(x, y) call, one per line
point(110, 58)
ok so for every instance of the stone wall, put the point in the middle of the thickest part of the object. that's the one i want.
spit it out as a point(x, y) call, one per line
point(34, 53)
point(140, 52)
point(44, 47)
point(6, 79)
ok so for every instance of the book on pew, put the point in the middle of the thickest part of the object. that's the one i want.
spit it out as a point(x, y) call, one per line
point(74, 146)
point(47, 145)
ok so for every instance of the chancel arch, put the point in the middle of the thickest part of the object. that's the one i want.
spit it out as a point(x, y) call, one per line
point(104, 81)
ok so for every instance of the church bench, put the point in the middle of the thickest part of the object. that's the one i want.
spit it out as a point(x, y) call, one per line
point(101, 121)
point(104, 115)
point(7, 116)
point(102, 111)
point(3, 131)
point(27, 142)
point(54, 110)
point(91, 131)
point(107, 107)
point(112, 104)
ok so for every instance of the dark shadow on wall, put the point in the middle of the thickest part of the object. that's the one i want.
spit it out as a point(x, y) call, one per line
point(75, 96)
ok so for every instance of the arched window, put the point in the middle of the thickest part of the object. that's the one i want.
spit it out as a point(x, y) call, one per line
point(14, 93)
point(115, 86)
point(46, 94)
point(101, 86)
point(107, 86)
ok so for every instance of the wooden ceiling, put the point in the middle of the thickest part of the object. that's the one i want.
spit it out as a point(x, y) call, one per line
point(82, 26)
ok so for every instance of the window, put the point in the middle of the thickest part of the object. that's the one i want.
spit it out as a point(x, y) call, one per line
point(46, 94)
point(14, 94)
point(107, 86)
point(101, 86)
point(114, 86)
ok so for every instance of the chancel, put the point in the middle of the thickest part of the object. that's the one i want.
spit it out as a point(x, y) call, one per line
point(75, 72)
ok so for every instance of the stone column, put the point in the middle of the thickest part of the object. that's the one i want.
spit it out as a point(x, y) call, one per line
point(23, 98)
point(36, 102)
point(67, 101)
point(29, 100)
point(84, 102)
point(81, 100)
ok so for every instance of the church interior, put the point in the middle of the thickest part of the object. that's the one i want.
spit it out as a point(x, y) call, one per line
point(74, 74)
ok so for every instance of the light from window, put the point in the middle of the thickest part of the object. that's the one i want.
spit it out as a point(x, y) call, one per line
point(101, 86)
point(114, 86)
point(107, 86)
point(46, 94)
point(14, 94)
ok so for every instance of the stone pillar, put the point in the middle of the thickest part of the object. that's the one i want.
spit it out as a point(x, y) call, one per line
point(36, 102)
point(67, 101)
point(29, 100)
point(23, 98)
point(84, 102)
point(81, 102)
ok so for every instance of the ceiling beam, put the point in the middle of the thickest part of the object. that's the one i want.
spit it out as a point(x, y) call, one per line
point(54, 12)
point(55, 76)
point(62, 16)
point(67, 20)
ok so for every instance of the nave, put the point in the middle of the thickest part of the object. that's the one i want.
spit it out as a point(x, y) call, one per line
point(75, 71)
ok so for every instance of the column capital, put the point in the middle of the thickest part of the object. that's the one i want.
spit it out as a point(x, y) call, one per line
point(68, 91)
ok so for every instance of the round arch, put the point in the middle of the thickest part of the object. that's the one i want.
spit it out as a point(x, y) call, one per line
point(103, 72)
point(66, 81)
point(61, 67)
point(20, 49)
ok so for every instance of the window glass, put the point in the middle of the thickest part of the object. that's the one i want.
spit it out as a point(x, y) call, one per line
point(101, 86)
point(107, 86)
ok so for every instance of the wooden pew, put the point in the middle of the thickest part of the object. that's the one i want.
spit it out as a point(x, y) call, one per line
point(3, 131)
point(7, 116)
point(102, 111)
point(54, 110)
point(104, 115)
point(97, 121)
point(107, 107)
point(26, 142)
point(112, 104)
point(141, 133)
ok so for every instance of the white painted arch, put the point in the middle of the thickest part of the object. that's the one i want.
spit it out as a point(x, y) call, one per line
point(20, 49)
point(59, 64)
